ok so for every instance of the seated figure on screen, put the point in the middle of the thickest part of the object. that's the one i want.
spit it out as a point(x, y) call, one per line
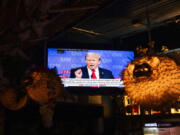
point(92, 69)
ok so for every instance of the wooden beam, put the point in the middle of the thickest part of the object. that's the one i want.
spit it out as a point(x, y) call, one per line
point(86, 31)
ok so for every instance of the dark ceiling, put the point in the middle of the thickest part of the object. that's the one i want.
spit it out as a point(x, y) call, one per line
point(117, 20)
point(128, 21)
point(25, 23)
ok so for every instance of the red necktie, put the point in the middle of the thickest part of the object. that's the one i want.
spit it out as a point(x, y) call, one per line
point(93, 76)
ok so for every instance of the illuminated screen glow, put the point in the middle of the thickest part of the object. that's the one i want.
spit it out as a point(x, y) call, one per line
point(66, 59)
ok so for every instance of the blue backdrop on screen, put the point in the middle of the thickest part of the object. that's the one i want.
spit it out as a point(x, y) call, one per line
point(64, 60)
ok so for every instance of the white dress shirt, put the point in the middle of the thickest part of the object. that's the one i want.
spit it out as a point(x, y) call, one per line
point(96, 73)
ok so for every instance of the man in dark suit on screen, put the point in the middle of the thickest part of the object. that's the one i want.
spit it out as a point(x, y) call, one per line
point(91, 70)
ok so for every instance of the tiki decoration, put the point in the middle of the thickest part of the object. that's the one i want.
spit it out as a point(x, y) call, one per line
point(152, 80)
point(43, 86)
point(12, 99)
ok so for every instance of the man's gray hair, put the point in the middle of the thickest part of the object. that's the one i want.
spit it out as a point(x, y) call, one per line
point(93, 53)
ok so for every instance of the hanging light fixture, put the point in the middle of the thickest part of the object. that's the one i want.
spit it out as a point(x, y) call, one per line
point(12, 100)
point(45, 86)
point(152, 81)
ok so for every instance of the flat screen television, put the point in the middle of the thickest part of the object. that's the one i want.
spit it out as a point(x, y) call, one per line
point(64, 60)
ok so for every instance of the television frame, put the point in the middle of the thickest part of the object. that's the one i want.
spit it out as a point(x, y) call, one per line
point(92, 90)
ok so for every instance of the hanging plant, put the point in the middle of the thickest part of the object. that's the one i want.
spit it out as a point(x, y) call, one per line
point(152, 81)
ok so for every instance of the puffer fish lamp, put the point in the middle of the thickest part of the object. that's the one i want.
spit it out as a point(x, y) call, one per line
point(13, 99)
point(152, 80)
point(44, 87)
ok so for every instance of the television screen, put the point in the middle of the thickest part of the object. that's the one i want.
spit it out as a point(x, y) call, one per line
point(71, 66)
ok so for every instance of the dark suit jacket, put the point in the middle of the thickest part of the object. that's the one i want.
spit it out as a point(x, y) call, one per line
point(103, 73)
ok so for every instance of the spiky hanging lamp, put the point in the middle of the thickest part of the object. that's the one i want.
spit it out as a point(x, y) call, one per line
point(152, 81)
point(12, 99)
point(44, 86)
